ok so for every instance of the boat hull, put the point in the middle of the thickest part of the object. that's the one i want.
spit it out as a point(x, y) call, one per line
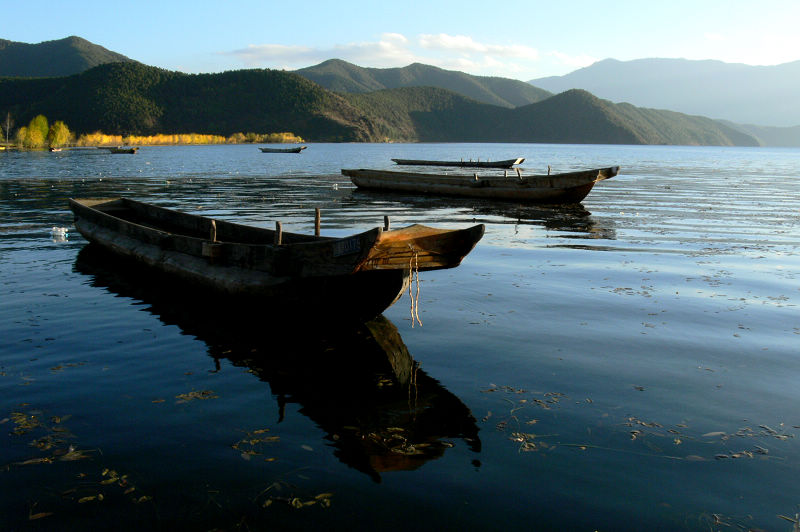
point(571, 187)
point(357, 296)
point(283, 150)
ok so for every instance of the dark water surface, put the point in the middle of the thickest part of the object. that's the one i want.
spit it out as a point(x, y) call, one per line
point(628, 364)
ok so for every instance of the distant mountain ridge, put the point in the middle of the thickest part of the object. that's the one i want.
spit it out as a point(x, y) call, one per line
point(131, 98)
point(764, 95)
point(429, 114)
point(341, 76)
point(424, 103)
point(63, 57)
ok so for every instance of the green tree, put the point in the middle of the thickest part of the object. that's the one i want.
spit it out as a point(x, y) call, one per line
point(22, 136)
point(40, 125)
point(35, 139)
point(59, 134)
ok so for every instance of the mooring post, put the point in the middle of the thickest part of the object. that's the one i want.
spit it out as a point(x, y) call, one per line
point(213, 235)
point(317, 221)
point(278, 233)
point(548, 169)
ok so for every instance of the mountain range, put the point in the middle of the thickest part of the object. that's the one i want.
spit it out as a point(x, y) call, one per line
point(744, 94)
point(335, 101)
point(341, 76)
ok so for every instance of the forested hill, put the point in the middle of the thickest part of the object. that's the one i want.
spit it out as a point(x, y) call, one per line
point(429, 114)
point(131, 98)
point(63, 57)
point(579, 114)
point(341, 76)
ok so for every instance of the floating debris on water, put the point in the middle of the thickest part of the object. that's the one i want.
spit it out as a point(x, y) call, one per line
point(321, 500)
point(638, 431)
point(191, 396)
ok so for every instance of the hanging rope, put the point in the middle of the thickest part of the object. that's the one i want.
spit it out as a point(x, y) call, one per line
point(413, 266)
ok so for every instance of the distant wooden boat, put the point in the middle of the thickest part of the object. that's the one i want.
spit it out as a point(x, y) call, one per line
point(123, 149)
point(297, 149)
point(570, 187)
point(462, 163)
point(359, 275)
point(54, 149)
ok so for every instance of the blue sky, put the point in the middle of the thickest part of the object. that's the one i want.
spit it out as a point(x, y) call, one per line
point(516, 39)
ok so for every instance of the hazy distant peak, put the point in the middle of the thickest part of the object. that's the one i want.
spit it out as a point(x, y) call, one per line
point(765, 95)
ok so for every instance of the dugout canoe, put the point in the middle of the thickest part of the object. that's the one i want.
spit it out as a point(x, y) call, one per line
point(355, 276)
point(297, 149)
point(508, 163)
point(569, 187)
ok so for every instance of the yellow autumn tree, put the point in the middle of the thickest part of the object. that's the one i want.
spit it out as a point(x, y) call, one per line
point(59, 134)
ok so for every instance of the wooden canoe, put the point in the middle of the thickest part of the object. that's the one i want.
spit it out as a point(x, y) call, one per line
point(462, 163)
point(359, 275)
point(123, 149)
point(297, 149)
point(570, 187)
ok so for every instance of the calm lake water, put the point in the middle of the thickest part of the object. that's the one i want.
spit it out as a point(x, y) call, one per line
point(631, 363)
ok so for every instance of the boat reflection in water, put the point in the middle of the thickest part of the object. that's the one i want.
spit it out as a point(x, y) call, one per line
point(571, 220)
point(359, 384)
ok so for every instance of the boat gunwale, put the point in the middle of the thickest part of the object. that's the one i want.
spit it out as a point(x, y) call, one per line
point(504, 163)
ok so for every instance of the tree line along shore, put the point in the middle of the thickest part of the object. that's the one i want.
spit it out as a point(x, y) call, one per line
point(40, 134)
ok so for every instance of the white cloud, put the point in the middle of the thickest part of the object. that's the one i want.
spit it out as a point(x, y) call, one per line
point(259, 54)
point(467, 45)
point(390, 50)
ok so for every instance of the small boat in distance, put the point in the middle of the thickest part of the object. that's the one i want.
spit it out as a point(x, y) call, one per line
point(462, 163)
point(569, 187)
point(122, 149)
point(356, 276)
point(296, 149)
point(54, 149)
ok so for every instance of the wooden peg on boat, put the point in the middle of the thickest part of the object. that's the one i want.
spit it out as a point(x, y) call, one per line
point(386, 223)
point(476, 177)
point(519, 174)
point(213, 235)
point(548, 169)
point(278, 233)
point(317, 221)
